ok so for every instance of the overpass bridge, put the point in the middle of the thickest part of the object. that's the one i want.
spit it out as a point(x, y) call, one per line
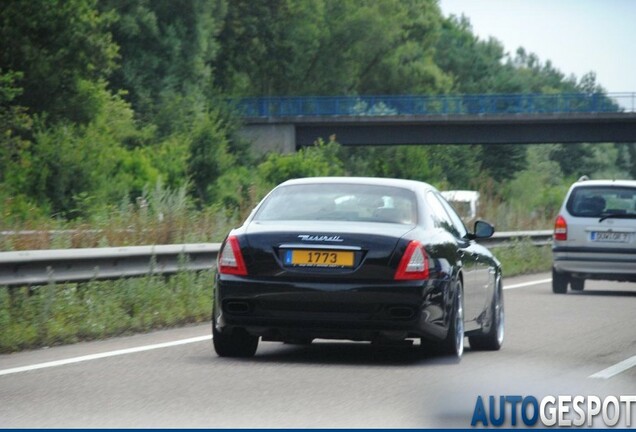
point(287, 123)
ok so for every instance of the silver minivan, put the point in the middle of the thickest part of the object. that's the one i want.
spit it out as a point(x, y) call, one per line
point(595, 234)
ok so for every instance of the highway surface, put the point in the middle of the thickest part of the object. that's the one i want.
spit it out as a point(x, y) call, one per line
point(574, 344)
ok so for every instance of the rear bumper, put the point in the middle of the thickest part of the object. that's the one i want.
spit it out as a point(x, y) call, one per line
point(596, 263)
point(283, 310)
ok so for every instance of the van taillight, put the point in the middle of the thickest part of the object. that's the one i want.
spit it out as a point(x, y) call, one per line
point(560, 229)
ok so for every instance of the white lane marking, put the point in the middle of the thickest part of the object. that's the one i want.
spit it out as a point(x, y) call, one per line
point(103, 355)
point(527, 284)
point(605, 373)
point(616, 369)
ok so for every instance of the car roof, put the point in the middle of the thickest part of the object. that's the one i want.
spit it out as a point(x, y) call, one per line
point(380, 181)
point(629, 183)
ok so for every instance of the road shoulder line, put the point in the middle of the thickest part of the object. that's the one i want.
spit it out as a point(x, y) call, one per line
point(103, 355)
point(527, 284)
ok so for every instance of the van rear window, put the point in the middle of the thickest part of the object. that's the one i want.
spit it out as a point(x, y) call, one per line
point(597, 201)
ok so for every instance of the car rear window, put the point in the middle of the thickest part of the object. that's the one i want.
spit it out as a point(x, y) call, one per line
point(340, 202)
point(595, 201)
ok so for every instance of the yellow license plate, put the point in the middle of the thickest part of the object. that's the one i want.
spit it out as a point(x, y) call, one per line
point(319, 258)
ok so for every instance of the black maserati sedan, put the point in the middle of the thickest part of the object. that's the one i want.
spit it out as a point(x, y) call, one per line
point(362, 259)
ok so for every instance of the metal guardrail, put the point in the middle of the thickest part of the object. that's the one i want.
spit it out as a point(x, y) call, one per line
point(506, 238)
point(40, 267)
point(423, 105)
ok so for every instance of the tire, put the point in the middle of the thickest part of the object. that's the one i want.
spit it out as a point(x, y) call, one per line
point(577, 284)
point(493, 339)
point(235, 343)
point(453, 344)
point(559, 282)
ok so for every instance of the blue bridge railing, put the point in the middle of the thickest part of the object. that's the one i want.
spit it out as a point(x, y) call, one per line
point(444, 105)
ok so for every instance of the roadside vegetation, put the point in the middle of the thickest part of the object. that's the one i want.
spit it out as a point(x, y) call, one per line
point(120, 120)
point(116, 131)
point(522, 257)
point(68, 313)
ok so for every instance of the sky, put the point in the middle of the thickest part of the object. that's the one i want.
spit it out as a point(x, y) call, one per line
point(577, 36)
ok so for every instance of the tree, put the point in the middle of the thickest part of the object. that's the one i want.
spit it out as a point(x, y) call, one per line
point(56, 45)
point(102, 99)
point(630, 150)
point(15, 127)
point(475, 66)
point(503, 161)
point(209, 156)
point(15, 158)
point(77, 168)
point(387, 47)
point(167, 49)
point(319, 160)
point(321, 47)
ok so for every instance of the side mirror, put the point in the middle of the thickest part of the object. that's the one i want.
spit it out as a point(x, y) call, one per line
point(483, 230)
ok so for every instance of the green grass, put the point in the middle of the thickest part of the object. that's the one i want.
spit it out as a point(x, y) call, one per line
point(68, 313)
point(522, 257)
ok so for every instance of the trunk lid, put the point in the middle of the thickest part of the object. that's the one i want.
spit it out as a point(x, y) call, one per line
point(323, 249)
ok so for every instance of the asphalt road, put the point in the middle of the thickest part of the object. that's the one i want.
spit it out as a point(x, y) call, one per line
point(555, 345)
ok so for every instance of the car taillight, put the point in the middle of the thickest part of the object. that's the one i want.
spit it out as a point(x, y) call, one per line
point(414, 263)
point(231, 259)
point(560, 229)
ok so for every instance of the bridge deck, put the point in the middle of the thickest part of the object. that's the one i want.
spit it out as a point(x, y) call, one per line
point(485, 119)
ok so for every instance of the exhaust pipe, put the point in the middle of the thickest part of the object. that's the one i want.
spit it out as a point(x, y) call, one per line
point(401, 312)
point(237, 307)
